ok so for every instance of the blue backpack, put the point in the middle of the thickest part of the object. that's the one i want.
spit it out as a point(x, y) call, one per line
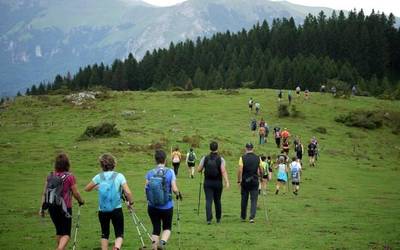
point(109, 196)
point(156, 190)
point(295, 172)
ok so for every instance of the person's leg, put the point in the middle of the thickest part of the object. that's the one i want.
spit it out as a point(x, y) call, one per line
point(192, 172)
point(278, 184)
point(62, 244)
point(217, 203)
point(253, 203)
point(209, 193)
point(166, 218)
point(104, 219)
point(117, 219)
point(156, 222)
point(243, 208)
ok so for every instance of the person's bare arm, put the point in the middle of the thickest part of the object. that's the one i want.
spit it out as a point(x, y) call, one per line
point(240, 172)
point(174, 187)
point(201, 166)
point(89, 187)
point(225, 174)
point(77, 195)
point(41, 212)
point(128, 194)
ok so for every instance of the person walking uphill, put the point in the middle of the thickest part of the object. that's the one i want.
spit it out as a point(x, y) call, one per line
point(191, 161)
point(160, 183)
point(214, 170)
point(250, 169)
point(56, 197)
point(176, 157)
point(110, 185)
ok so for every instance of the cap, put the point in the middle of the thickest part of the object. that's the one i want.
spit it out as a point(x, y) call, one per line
point(249, 145)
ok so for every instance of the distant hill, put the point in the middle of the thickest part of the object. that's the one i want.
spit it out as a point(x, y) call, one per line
point(40, 38)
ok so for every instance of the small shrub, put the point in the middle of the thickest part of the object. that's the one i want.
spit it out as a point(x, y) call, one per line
point(361, 119)
point(193, 141)
point(186, 95)
point(283, 110)
point(158, 144)
point(228, 92)
point(152, 89)
point(101, 131)
point(176, 88)
point(321, 130)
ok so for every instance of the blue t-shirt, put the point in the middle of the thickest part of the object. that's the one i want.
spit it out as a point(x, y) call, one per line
point(169, 178)
point(118, 182)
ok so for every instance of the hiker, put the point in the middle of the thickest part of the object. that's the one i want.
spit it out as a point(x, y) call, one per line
point(315, 141)
point(56, 197)
point(280, 96)
point(253, 126)
point(306, 94)
point(312, 148)
point(333, 90)
point(282, 176)
point(267, 172)
point(295, 170)
point(261, 133)
point(277, 134)
point(250, 169)
point(322, 89)
point(160, 183)
point(290, 97)
point(262, 123)
point(298, 91)
point(176, 157)
point(214, 171)
point(285, 147)
point(258, 106)
point(284, 156)
point(191, 162)
point(110, 185)
point(354, 90)
point(285, 135)
point(266, 132)
point(299, 149)
point(251, 102)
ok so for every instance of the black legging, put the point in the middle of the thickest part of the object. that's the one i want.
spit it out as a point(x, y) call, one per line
point(117, 219)
point(213, 191)
point(160, 215)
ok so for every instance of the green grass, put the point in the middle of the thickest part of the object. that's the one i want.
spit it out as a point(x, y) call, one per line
point(350, 201)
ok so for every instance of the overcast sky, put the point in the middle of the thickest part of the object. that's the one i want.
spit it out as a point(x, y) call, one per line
point(386, 6)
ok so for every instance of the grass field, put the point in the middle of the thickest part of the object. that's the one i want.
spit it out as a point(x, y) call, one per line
point(351, 200)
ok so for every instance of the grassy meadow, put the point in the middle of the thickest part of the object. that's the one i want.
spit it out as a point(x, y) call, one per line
point(350, 200)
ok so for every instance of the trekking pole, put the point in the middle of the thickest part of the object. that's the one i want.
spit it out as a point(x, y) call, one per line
point(198, 204)
point(288, 182)
point(179, 224)
point(76, 227)
point(137, 228)
point(142, 225)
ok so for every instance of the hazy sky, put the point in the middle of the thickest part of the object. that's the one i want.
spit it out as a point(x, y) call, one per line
point(386, 6)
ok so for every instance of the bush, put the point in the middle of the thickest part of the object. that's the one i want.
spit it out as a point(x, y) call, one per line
point(228, 92)
point(283, 110)
point(193, 141)
point(152, 89)
point(176, 88)
point(295, 112)
point(321, 130)
point(101, 131)
point(362, 119)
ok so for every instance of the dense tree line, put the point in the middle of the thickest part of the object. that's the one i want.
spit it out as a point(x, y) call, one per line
point(354, 49)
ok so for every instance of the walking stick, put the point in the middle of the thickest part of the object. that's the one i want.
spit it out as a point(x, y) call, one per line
point(76, 227)
point(200, 184)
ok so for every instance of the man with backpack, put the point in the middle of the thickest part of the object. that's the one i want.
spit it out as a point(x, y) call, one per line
point(312, 151)
point(258, 106)
point(160, 183)
point(56, 197)
point(251, 104)
point(253, 125)
point(191, 162)
point(214, 169)
point(111, 186)
point(299, 149)
point(249, 173)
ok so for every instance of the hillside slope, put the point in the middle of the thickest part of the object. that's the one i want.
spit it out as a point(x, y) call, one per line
point(349, 201)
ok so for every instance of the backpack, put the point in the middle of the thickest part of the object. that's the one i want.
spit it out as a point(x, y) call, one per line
point(298, 148)
point(191, 157)
point(261, 132)
point(295, 172)
point(109, 196)
point(277, 134)
point(54, 189)
point(253, 125)
point(212, 167)
point(175, 157)
point(156, 190)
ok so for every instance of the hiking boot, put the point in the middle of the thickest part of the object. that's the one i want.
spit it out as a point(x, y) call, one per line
point(251, 220)
point(208, 222)
point(191, 176)
point(277, 191)
point(243, 220)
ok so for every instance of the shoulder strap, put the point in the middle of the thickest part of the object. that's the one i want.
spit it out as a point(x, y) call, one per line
point(102, 177)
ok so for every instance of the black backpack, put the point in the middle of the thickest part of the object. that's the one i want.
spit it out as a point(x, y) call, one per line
point(53, 195)
point(298, 148)
point(212, 167)
point(191, 157)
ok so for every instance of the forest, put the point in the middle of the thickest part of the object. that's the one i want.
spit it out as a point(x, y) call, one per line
point(342, 50)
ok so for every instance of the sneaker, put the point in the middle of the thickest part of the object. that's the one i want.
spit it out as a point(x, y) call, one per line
point(251, 220)
point(191, 176)
point(277, 191)
point(208, 222)
point(218, 221)
point(243, 220)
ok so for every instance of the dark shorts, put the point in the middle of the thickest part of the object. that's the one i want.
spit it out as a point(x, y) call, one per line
point(250, 106)
point(158, 216)
point(190, 164)
point(311, 153)
point(117, 219)
point(176, 164)
point(299, 156)
point(61, 222)
point(265, 177)
point(296, 183)
point(280, 180)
